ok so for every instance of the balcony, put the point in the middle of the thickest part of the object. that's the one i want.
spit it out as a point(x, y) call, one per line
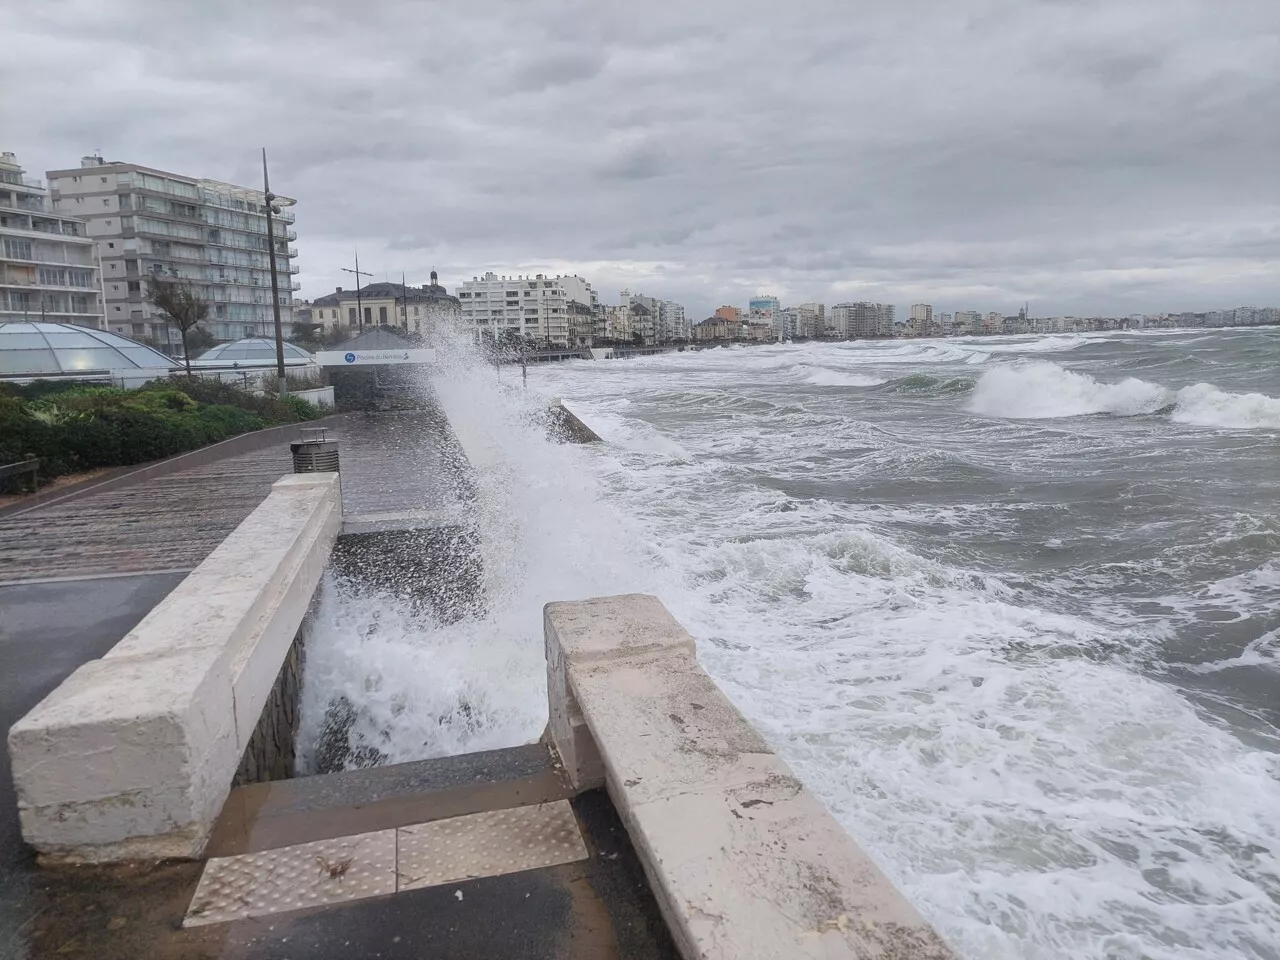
point(289, 235)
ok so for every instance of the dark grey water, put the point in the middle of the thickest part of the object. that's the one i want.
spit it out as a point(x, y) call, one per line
point(1011, 606)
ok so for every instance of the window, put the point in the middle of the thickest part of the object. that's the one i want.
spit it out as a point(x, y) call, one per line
point(111, 245)
point(351, 315)
point(368, 314)
point(110, 223)
point(134, 286)
point(103, 179)
point(106, 201)
point(415, 310)
point(382, 315)
point(115, 287)
point(79, 199)
point(75, 179)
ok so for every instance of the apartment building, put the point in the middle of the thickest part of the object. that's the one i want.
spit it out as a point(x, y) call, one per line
point(534, 308)
point(862, 319)
point(150, 223)
point(672, 323)
point(48, 263)
point(811, 319)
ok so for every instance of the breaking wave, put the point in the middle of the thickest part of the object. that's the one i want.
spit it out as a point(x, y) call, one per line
point(1038, 389)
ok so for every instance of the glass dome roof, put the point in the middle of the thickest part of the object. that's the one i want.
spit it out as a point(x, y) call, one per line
point(253, 351)
point(44, 349)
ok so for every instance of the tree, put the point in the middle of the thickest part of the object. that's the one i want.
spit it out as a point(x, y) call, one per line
point(181, 305)
point(200, 339)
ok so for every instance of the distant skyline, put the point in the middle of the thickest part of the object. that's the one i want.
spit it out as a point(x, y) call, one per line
point(1089, 156)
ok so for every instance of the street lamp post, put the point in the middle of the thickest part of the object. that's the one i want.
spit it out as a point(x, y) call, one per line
point(271, 207)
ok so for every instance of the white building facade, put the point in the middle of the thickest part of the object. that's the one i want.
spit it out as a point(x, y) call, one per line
point(543, 309)
point(149, 223)
point(48, 263)
point(672, 323)
point(862, 319)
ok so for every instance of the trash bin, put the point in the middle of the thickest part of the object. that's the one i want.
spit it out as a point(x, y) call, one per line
point(314, 453)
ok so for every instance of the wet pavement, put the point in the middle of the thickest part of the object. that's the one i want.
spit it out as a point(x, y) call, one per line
point(170, 522)
point(46, 631)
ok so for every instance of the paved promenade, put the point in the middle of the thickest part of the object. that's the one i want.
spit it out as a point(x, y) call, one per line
point(163, 523)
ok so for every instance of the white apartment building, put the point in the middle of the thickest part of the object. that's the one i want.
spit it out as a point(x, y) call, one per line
point(615, 323)
point(809, 319)
point(922, 313)
point(48, 264)
point(644, 315)
point(862, 319)
point(214, 235)
point(672, 323)
point(967, 321)
point(554, 310)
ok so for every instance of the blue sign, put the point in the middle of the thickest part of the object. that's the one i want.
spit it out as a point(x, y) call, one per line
point(350, 358)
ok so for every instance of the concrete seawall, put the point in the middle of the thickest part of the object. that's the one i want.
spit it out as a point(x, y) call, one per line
point(568, 427)
point(133, 755)
point(743, 860)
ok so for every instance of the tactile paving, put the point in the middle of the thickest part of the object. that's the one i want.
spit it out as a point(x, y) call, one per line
point(488, 844)
point(290, 878)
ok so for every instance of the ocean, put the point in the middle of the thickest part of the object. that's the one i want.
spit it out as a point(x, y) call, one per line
point(1010, 606)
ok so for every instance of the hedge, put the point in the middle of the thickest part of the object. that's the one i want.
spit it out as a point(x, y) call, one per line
point(76, 427)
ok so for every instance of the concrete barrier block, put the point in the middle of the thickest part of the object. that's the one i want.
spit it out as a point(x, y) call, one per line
point(668, 726)
point(613, 627)
point(256, 664)
point(743, 861)
point(115, 751)
point(567, 730)
point(134, 754)
point(761, 870)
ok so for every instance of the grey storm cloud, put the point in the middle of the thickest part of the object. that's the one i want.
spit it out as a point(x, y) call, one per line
point(1088, 155)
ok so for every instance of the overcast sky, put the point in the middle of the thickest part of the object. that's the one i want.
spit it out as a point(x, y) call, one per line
point(1110, 156)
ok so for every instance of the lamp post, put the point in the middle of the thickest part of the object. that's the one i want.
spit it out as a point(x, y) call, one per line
point(271, 201)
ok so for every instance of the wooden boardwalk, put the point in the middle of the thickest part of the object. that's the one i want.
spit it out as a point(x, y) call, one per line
point(163, 523)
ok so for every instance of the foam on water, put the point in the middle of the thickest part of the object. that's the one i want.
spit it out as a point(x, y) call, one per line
point(425, 689)
point(1034, 791)
point(1040, 389)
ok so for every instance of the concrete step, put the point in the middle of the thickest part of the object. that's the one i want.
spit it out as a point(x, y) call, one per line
point(265, 816)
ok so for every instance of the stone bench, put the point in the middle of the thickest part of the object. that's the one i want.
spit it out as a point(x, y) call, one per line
point(743, 860)
point(132, 756)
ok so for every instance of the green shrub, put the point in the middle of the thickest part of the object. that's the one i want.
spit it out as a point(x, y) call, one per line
point(223, 421)
point(161, 400)
point(88, 443)
point(302, 409)
point(77, 425)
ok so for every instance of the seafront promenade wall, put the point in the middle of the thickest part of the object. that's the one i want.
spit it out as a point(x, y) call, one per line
point(743, 860)
point(134, 754)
